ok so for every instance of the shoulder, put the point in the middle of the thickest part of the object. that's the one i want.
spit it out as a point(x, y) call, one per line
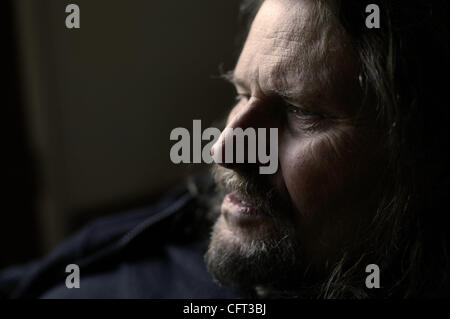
point(131, 255)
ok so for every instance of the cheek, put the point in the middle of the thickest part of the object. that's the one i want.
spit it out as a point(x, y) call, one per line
point(321, 173)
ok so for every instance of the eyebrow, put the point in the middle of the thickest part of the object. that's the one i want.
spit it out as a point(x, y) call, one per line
point(230, 77)
point(311, 98)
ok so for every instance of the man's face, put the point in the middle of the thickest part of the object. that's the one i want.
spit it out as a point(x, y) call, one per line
point(297, 72)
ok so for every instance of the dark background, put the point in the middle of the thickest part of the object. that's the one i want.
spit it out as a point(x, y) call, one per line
point(89, 111)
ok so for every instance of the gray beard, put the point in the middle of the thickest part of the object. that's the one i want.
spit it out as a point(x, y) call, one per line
point(273, 262)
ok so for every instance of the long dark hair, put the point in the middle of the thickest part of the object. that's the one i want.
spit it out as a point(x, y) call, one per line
point(404, 66)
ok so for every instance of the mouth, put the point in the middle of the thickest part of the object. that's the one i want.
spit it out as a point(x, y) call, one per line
point(241, 212)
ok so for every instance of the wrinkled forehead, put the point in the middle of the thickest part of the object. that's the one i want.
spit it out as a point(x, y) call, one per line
point(289, 19)
point(291, 41)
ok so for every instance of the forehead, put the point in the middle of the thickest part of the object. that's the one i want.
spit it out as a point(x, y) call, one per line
point(295, 46)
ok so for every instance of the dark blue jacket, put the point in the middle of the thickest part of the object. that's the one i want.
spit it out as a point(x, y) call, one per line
point(139, 254)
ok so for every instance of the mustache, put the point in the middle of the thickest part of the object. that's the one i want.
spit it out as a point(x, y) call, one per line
point(251, 186)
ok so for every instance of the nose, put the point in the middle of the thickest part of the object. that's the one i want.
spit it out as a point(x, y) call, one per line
point(254, 114)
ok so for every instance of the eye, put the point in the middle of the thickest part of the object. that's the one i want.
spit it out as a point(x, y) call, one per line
point(301, 112)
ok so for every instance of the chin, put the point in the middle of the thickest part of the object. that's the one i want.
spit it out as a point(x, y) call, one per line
point(249, 257)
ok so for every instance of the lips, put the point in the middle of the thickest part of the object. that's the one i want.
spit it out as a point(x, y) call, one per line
point(241, 205)
point(237, 199)
point(239, 212)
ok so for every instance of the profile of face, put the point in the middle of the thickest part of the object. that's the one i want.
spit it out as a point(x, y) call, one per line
point(298, 73)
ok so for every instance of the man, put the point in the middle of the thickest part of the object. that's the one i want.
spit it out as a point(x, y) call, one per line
point(361, 117)
point(340, 200)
